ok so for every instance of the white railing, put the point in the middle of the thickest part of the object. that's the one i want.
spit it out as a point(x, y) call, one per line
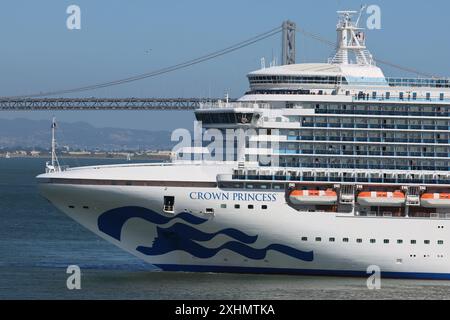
point(233, 105)
point(349, 172)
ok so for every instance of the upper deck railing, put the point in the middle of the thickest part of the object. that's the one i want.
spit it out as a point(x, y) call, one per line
point(233, 105)
point(334, 175)
point(404, 82)
point(341, 80)
point(419, 82)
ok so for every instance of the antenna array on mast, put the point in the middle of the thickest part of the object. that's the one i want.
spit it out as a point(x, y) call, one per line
point(350, 39)
point(53, 166)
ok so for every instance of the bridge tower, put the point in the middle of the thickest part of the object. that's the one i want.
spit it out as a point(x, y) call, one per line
point(288, 42)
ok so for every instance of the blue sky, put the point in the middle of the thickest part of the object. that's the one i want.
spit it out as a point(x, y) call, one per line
point(122, 38)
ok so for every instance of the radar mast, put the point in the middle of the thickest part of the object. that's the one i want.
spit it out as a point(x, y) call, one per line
point(53, 166)
point(350, 39)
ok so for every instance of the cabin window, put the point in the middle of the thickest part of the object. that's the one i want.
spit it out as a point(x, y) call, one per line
point(345, 239)
point(332, 239)
point(223, 206)
point(373, 241)
point(386, 241)
point(277, 186)
point(264, 206)
point(318, 239)
point(399, 241)
point(237, 206)
point(304, 238)
point(440, 242)
point(250, 206)
point(413, 242)
point(426, 241)
point(209, 210)
point(358, 240)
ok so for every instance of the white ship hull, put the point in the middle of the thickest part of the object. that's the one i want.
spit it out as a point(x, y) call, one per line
point(247, 240)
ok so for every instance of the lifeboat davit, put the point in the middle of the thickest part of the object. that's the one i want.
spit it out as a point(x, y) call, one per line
point(381, 198)
point(435, 200)
point(313, 197)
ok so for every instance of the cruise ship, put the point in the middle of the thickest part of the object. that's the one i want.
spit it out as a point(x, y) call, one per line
point(318, 169)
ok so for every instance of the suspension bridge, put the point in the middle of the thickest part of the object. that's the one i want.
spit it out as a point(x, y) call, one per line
point(42, 100)
point(97, 104)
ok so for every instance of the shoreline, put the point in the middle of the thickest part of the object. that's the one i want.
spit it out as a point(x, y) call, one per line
point(99, 157)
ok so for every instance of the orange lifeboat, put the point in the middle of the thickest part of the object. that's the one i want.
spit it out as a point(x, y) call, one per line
point(381, 198)
point(313, 197)
point(435, 200)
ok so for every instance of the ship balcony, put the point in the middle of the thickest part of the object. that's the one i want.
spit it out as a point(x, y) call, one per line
point(366, 139)
point(373, 112)
point(374, 167)
point(383, 113)
point(337, 175)
point(405, 99)
point(377, 153)
point(375, 126)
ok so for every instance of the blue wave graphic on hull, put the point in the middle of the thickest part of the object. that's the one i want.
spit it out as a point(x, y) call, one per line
point(168, 241)
point(190, 233)
point(183, 237)
point(112, 221)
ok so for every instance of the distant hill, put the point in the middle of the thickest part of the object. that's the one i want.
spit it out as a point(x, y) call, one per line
point(25, 133)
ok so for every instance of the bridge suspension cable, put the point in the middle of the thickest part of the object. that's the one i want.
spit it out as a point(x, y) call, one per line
point(158, 72)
